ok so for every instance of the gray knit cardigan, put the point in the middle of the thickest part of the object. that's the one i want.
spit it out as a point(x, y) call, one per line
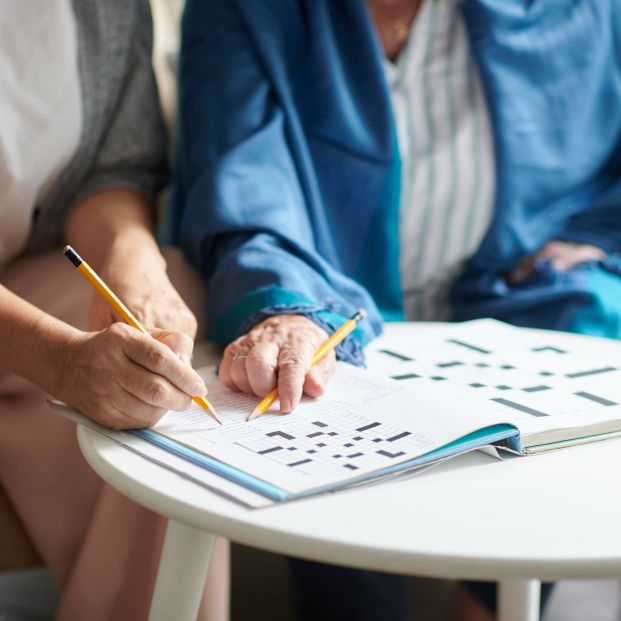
point(123, 143)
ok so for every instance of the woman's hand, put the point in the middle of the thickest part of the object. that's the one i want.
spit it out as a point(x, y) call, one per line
point(562, 255)
point(124, 379)
point(278, 352)
point(141, 282)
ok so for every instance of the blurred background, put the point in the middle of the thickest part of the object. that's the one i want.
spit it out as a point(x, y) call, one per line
point(261, 589)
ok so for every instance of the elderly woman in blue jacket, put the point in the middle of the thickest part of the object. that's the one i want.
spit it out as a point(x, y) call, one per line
point(423, 159)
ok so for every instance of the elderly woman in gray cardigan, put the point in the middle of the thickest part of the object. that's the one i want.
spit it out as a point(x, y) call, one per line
point(82, 156)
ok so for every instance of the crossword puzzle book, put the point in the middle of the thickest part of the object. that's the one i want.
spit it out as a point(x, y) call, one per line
point(465, 386)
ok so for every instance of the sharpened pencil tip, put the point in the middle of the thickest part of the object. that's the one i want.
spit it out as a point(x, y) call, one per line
point(205, 405)
point(255, 413)
point(214, 414)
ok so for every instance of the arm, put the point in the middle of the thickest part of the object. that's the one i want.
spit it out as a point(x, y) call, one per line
point(246, 219)
point(119, 377)
point(115, 229)
point(112, 219)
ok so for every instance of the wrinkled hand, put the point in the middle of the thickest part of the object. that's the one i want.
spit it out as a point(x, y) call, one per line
point(124, 379)
point(562, 255)
point(143, 286)
point(278, 352)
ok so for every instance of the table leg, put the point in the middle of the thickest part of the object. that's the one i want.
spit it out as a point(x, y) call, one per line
point(519, 600)
point(182, 572)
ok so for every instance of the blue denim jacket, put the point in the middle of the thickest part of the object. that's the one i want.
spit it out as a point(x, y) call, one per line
point(287, 191)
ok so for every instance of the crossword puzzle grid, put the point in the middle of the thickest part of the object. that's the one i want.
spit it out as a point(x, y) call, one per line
point(329, 446)
point(541, 380)
point(324, 439)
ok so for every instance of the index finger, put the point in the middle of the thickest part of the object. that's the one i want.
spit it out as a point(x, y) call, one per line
point(158, 358)
point(294, 362)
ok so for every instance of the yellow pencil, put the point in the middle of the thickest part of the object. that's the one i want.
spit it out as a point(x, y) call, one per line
point(89, 273)
point(324, 349)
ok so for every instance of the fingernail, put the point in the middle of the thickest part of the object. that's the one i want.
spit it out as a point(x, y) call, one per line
point(185, 358)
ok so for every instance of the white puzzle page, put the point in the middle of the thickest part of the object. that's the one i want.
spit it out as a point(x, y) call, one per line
point(540, 380)
point(362, 424)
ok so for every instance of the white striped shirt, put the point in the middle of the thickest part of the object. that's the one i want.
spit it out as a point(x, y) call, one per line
point(447, 158)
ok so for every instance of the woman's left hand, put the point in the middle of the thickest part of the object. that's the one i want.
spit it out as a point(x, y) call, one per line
point(142, 284)
point(277, 353)
point(562, 255)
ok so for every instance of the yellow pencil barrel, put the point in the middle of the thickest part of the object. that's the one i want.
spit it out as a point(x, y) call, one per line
point(111, 298)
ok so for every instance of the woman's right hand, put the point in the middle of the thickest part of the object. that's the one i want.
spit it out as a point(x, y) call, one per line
point(124, 379)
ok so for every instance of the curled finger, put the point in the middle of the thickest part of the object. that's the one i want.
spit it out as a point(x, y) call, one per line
point(239, 374)
point(317, 378)
point(577, 256)
point(234, 353)
point(154, 390)
point(134, 413)
point(261, 367)
point(158, 359)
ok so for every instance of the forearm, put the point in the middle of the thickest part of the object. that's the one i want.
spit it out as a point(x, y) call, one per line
point(32, 343)
point(114, 220)
point(113, 231)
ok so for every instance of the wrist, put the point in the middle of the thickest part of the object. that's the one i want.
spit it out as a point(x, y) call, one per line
point(58, 344)
point(33, 344)
point(44, 364)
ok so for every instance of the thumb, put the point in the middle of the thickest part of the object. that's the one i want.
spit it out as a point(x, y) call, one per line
point(178, 342)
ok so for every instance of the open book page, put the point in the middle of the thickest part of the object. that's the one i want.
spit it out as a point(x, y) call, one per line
point(362, 425)
point(540, 381)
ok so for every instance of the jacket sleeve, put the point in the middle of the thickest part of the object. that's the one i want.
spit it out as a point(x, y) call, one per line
point(133, 149)
point(598, 224)
point(241, 209)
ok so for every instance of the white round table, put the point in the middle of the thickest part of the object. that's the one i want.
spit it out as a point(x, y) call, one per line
point(549, 517)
